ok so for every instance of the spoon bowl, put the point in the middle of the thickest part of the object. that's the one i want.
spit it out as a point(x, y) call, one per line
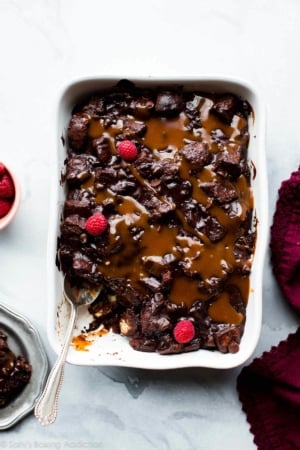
point(79, 296)
point(46, 407)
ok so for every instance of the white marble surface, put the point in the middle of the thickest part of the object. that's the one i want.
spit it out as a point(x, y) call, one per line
point(44, 44)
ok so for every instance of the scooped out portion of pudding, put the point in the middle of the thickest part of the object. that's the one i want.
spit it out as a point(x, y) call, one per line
point(159, 211)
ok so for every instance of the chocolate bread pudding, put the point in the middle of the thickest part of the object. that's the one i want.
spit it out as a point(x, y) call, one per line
point(159, 212)
point(15, 372)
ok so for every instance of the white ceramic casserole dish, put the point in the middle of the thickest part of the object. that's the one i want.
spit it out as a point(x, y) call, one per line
point(112, 349)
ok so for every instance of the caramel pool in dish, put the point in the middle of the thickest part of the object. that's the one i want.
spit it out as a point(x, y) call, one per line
point(181, 232)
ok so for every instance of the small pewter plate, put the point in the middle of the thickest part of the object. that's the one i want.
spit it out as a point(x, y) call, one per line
point(23, 339)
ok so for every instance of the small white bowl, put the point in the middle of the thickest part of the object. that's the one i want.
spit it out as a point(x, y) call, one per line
point(7, 219)
point(112, 349)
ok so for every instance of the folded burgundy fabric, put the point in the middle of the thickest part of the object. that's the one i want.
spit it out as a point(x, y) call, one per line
point(285, 240)
point(269, 388)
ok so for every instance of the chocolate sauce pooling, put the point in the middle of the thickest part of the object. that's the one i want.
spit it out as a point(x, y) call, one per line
point(181, 232)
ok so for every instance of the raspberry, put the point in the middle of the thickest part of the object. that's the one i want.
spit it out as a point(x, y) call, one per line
point(5, 206)
point(127, 150)
point(6, 187)
point(184, 331)
point(96, 224)
point(2, 169)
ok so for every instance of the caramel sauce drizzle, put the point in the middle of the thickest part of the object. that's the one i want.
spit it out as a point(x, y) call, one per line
point(222, 311)
point(164, 137)
point(83, 341)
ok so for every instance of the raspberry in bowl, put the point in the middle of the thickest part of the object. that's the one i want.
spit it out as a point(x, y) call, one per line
point(9, 196)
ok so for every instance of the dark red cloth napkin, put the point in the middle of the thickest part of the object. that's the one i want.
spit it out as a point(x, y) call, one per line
point(269, 388)
point(285, 240)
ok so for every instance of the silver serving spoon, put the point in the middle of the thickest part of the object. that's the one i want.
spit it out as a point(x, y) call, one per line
point(46, 406)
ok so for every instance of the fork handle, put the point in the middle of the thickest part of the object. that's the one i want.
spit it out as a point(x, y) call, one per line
point(46, 406)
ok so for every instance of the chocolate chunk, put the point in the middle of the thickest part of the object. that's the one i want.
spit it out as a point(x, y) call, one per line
point(102, 308)
point(103, 305)
point(124, 187)
point(80, 207)
point(198, 217)
point(152, 323)
point(82, 265)
point(192, 346)
point(228, 339)
point(118, 104)
point(126, 293)
point(132, 129)
point(212, 229)
point(197, 155)
point(246, 243)
point(169, 103)
point(199, 311)
point(142, 107)
point(212, 286)
point(228, 164)
point(155, 324)
point(78, 130)
point(243, 248)
point(102, 149)
point(85, 269)
point(128, 323)
point(221, 193)
point(209, 342)
point(73, 224)
point(167, 167)
point(78, 169)
point(168, 346)
point(166, 280)
point(160, 266)
point(95, 107)
point(218, 136)
point(192, 111)
point(154, 265)
point(176, 188)
point(144, 164)
point(155, 206)
point(225, 108)
point(236, 299)
point(151, 283)
point(143, 344)
point(65, 255)
point(77, 194)
point(106, 176)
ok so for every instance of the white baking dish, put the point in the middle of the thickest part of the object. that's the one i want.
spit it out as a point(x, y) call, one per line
point(114, 350)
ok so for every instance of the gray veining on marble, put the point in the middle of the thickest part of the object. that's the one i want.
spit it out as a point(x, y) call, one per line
point(44, 44)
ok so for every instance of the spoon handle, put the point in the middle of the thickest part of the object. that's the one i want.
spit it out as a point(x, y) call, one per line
point(46, 407)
